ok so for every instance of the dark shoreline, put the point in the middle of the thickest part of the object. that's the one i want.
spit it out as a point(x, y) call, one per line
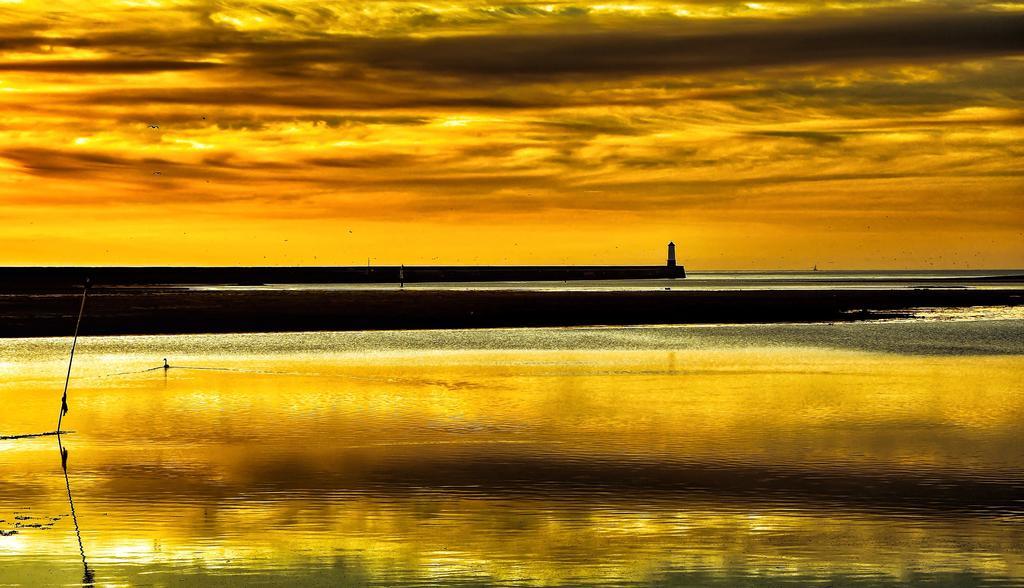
point(150, 311)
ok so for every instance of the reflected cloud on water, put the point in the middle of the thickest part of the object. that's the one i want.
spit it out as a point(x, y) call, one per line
point(719, 466)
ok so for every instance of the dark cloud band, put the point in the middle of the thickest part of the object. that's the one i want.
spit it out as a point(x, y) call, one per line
point(878, 38)
point(105, 66)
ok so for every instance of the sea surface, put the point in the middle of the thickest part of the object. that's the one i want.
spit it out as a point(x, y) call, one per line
point(867, 454)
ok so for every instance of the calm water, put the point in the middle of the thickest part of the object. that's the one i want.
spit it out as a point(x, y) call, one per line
point(845, 455)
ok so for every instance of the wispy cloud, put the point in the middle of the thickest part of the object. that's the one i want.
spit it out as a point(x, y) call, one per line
point(566, 113)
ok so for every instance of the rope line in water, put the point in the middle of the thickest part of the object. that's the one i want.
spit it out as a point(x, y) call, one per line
point(31, 435)
point(111, 375)
point(244, 371)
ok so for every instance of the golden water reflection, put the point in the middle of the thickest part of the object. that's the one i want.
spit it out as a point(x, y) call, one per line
point(556, 467)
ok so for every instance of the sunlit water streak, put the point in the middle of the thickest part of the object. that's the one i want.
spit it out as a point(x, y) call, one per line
point(859, 454)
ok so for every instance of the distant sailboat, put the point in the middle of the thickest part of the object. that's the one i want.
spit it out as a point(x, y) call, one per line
point(815, 268)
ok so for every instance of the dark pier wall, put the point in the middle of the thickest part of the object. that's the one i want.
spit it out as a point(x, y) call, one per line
point(64, 277)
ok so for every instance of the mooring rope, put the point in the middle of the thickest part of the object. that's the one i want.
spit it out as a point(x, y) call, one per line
point(67, 378)
point(74, 342)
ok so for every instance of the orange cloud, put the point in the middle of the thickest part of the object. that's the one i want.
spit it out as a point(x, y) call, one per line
point(590, 131)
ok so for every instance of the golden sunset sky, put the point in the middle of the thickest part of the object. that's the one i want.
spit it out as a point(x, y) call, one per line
point(754, 134)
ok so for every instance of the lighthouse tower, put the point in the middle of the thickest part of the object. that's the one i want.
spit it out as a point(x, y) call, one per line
point(671, 254)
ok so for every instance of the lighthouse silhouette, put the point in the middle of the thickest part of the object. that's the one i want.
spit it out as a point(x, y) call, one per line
point(672, 269)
